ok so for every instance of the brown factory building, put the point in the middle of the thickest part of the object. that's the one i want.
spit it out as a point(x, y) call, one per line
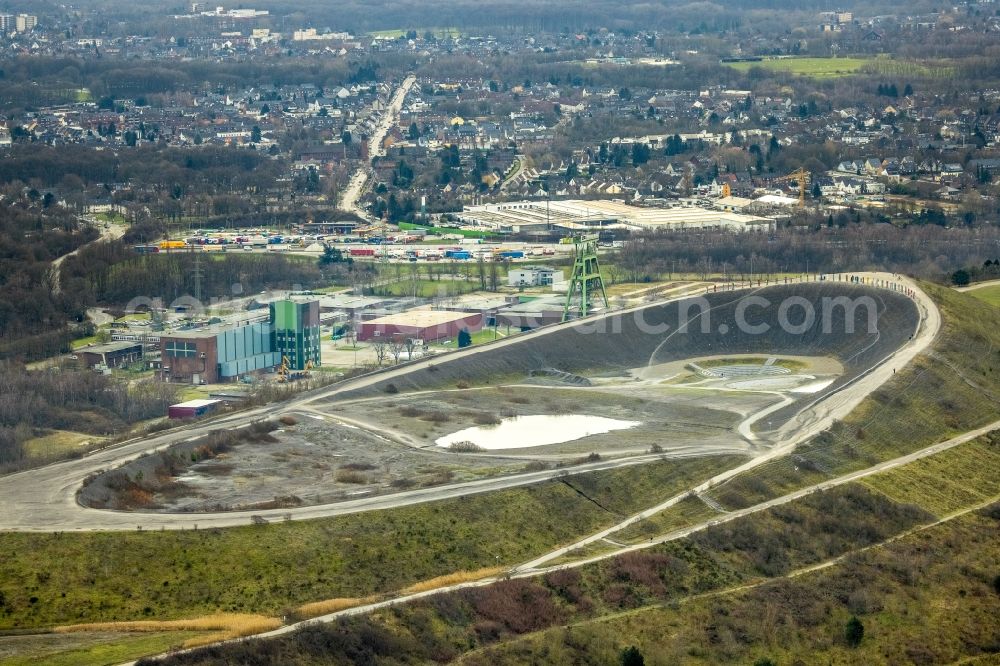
point(190, 357)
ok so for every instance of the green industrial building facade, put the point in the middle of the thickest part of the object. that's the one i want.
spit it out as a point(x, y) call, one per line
point(295, 327)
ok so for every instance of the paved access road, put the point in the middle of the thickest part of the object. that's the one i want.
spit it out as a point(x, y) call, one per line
point(44, 499)
point(978, 285)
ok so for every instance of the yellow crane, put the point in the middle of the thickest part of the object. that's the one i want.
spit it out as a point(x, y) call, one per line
point(286, 374)
point(802, 177)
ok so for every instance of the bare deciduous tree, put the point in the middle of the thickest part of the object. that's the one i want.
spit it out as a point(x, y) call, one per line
point(396, 344)
point(381, 348)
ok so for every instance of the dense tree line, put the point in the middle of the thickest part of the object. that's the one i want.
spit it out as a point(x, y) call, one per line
point(990, 270)
point(178, 171)
point(30, 81)
point(928, 251)
point(111, 272)
point(34, 315)
point(77, 400)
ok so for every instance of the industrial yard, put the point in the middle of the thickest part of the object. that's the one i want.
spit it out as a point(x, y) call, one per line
point(528, 404)
point(340, 450)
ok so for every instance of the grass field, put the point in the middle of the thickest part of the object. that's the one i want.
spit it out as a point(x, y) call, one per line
point(116, 218)
point(790, 364)
point(441, 231)
point(941, 484)
point(989, 294)
point(72, 578)
point(88, 649)
point(481, 337)
point(423, 288)
point(946, 482)
point(80, 343)
point(57, 443)
point(927, 598)
point(929, 69)
point(817, 68)
point(689, 511)
point(828, 68)
point(525, 621)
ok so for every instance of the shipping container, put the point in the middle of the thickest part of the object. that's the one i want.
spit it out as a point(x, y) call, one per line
point(192, 409)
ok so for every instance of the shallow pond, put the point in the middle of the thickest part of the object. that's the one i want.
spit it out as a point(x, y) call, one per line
point(520, 432)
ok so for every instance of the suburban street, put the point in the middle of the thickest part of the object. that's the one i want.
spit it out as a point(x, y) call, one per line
point(355, 187)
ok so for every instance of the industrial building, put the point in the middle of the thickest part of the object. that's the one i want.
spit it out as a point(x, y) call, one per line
point(217, 353)
point(532, 313)
point(227, 352)
point(536, 276)
point(584, 215)
point(296, 333)
point(426, 325)
point(112, 355)
point(352, 304)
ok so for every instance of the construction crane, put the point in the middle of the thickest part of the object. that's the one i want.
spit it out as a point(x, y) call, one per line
point(802, 177)
point(283, 370)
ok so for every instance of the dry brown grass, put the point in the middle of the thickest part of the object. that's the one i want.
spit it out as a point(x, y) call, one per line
point(350, 476)
point(224, 626)
point(327, 606)
point(452, 579)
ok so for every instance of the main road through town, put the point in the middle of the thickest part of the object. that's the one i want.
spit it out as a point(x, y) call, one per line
point(356, 185)
point(44, 499)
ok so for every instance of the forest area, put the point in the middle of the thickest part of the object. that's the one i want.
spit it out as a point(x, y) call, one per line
point(113, 274)
point(34, 315)
point(929, 252)
point(70, 399)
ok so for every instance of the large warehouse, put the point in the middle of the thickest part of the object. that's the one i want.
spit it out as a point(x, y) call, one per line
point(426, 325)
point(581, 215)
point(224, 353)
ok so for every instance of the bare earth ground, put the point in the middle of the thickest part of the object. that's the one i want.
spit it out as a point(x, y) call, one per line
point(349, 450)
point(315, 462)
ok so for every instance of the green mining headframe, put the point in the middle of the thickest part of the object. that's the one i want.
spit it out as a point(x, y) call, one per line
point(586, 277)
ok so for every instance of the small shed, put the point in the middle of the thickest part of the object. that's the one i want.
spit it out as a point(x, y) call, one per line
point(192, 408)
